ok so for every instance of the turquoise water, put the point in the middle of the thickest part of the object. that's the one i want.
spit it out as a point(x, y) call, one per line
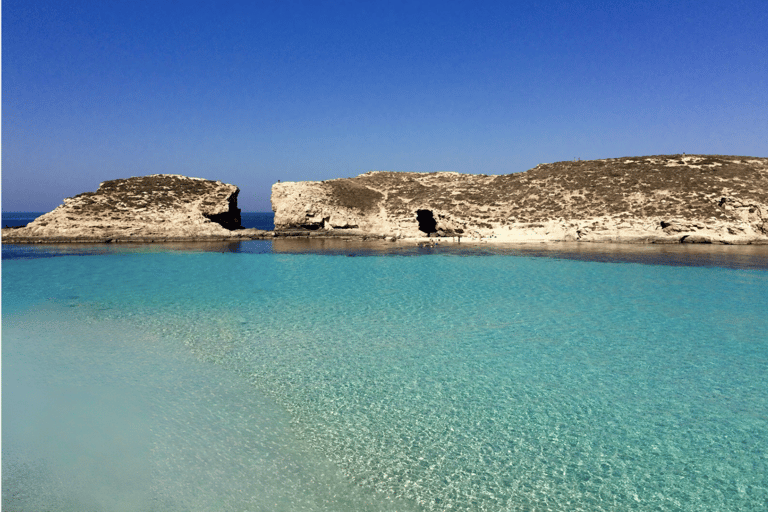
point(277, 377)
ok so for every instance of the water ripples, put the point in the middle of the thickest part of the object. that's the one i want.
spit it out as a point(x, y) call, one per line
point(492, 383)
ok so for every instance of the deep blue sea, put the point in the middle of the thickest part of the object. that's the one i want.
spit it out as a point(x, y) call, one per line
point(258, 220)
point(294, 375)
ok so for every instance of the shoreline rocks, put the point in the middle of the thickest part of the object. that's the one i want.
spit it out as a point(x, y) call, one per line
point(146, 209)
point(668, 199)
point(653, 199)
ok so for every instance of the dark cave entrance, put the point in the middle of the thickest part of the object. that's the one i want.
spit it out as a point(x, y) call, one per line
point(427, 222)
point(230, 219)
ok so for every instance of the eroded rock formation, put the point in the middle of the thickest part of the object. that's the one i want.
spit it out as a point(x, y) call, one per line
point(663, 199)
point(148, 208)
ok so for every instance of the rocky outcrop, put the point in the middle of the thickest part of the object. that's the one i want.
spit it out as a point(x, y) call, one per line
point(659, 199)
point(159, 207)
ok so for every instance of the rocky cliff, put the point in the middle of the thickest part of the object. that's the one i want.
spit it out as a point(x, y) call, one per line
point(148, 208)
point(662, 199)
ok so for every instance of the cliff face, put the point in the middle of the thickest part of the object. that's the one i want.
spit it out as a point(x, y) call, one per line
point(642, 199)
point(160, 206)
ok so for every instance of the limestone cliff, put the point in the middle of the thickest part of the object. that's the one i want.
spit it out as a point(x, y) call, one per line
point(669, 198)
point(148, 208)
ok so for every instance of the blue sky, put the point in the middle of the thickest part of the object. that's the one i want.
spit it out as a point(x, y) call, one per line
point(254, 92)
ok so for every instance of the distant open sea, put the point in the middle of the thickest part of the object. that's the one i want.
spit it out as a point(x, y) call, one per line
point(258, 220)
point(298, 375)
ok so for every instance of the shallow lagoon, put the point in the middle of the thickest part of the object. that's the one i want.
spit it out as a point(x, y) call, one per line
point(287, 376)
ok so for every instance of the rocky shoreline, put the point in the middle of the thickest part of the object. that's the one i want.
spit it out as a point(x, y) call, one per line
point(656, 199)
point(668, 199)
point(146, 209)
point(9, 237)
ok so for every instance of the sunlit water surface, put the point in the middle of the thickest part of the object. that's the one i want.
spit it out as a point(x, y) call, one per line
point(265, 376)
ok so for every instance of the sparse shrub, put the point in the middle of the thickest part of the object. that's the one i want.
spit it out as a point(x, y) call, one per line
point(351, 195)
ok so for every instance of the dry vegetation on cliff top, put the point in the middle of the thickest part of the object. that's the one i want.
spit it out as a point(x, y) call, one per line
point(351, 194)
point(160, 192)
point(688, 187)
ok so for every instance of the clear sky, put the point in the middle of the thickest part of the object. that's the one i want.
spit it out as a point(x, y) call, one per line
point(254, 92)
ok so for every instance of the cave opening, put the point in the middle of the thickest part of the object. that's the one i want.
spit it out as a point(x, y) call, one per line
point(427, 222)
point(230, 219)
